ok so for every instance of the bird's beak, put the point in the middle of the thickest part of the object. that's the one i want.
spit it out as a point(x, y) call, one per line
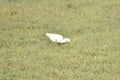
point(69, 41)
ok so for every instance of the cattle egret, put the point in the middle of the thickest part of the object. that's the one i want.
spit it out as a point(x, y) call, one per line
point(57, 38)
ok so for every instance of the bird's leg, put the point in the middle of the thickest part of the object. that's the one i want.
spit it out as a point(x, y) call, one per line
point(58, 43)
point(49, 42)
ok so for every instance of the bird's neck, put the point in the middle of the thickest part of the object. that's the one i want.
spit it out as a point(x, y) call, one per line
point(63, 41)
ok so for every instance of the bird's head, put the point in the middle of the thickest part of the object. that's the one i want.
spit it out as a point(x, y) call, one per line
point(67, 40)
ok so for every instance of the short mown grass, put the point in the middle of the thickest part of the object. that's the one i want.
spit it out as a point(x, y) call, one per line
point(92, 25)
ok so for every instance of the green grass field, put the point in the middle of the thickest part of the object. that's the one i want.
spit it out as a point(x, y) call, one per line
point(92, 25)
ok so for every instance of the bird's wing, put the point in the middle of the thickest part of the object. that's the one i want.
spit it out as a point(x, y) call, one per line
point(54, 37)
point(59, 38)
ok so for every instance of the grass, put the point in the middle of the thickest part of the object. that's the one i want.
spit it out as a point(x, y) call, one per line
point(92, 25)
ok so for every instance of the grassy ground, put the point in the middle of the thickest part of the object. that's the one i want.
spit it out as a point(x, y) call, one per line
point(92, 25)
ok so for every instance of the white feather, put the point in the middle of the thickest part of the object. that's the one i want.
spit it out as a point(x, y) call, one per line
point(57, 38)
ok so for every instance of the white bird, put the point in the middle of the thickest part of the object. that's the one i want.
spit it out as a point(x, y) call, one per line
point(57, 38)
